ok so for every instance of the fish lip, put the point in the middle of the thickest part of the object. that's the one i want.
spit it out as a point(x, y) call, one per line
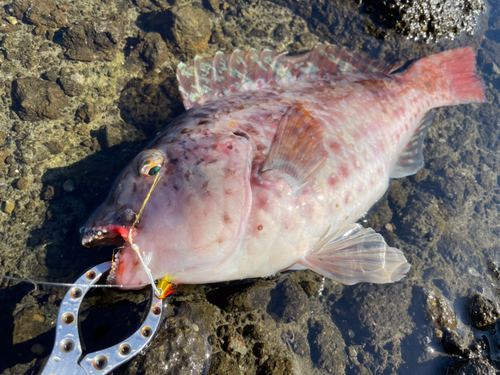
point(102, 235)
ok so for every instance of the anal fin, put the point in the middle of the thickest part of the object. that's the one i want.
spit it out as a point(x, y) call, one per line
point(412, 158)
point(355, 254)
point(297, 149)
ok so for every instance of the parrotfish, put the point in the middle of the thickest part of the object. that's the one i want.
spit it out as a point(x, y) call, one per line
point(272, 164)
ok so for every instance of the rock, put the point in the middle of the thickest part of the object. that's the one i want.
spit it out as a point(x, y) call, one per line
point(146, 6)
point(288, 301)
point(52, 75)
point(35, 99)
point(154, 50)
point(55, 147)
point(21, 368)
point(70, 86)
point(223, 364)
point(453, 343)
point(112, 135)
point(8, 207)
point(471, 367)
point(29, 323)
point(440, 310)
point(277, 366)
point(483, 312)
point(7, 27)
point(37, 349)
point(426, 19)
point(327, 345)
point(49, 193)
point(11, 20)
point(213, 5)
point(186, 27)
point(85, 113)
point(23, 183)
point(94, 40)
point(147, 103)
point(39, 13)
point(251, 298)
point(69, 186)
point(180, 347)
point(236, 345)
point(281, 32)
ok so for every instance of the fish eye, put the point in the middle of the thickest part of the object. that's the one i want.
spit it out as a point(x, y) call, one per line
point(154, 170)
point(149, 162)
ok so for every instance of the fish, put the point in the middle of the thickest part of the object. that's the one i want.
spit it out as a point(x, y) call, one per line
point(273, 163)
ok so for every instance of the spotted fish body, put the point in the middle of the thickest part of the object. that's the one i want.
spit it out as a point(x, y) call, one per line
point(274, 161)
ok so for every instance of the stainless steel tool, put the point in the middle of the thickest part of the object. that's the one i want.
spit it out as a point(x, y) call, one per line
point(67, 356)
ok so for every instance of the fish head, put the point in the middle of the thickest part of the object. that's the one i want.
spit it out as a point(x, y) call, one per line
point(111, 222)
point(191, 220)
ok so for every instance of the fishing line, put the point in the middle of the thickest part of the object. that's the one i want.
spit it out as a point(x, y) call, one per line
point(159, 291)
point(69, 285)
point(135, 247)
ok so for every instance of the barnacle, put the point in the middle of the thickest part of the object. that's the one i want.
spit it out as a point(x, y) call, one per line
point(427, 19)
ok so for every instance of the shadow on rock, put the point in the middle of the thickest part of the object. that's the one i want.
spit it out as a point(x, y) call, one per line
point(151, 102)
point(74, 192)
point(27, 350)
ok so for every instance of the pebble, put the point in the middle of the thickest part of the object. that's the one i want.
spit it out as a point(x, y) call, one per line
point(11, 20)
point(453, 343)
point(69, 186)
point(483, 312)
point(23, 183)
point(37, 349)
point(49, 193)
point(236, 345)
point(441, 311)
point(8, 207)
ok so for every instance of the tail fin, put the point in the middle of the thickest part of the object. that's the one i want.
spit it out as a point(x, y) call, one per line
point(455, 70)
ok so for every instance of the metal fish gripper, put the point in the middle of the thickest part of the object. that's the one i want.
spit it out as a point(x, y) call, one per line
point(68, 356)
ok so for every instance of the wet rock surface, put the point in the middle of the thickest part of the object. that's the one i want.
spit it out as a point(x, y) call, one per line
point(428, 19)
point(483, 312)
point(44, 13)
point(94, 40)
point(85, 85)
point(471, 367)
point(35, 99)
point(453, 343)
point(440, 310)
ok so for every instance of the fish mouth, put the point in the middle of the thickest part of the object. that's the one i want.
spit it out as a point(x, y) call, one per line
point(103, 235)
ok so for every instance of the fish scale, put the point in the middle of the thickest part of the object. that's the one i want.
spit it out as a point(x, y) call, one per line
point(275, 160)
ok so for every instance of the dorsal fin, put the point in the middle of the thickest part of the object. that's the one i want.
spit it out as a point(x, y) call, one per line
point(206, 79)
point(412, 158)
point(297, 149)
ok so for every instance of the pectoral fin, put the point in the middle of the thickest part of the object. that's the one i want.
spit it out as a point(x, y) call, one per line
point(355, 254)
point(297, 149)
point(411, 159)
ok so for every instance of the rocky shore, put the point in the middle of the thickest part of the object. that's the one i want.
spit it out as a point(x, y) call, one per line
point(85, 84)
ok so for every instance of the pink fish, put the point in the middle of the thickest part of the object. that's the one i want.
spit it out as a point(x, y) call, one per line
point(273, 162)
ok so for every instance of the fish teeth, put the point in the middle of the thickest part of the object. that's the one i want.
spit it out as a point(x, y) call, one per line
point(91, 234)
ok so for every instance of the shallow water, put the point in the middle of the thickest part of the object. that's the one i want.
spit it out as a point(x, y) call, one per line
point(445, 218)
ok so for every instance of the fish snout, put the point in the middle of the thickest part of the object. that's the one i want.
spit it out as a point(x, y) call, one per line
point(126, 217)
